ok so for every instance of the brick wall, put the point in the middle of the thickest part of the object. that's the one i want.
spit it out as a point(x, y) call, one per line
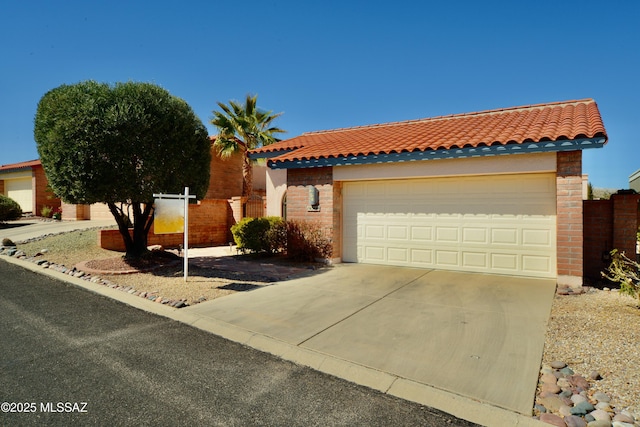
point(42, 196)
point(569, 218)
point(207, 227)
point(609, 224)
point(598, 237)
point(76, 212)
point(225, 180)
point(298, 181)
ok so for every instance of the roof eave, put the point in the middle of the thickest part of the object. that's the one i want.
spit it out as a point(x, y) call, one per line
point(454, 153)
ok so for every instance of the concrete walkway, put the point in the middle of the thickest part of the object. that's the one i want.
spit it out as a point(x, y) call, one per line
point(25, 229)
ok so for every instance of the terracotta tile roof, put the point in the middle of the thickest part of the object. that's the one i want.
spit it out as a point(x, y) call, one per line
point(557, 121)
point(21, 165)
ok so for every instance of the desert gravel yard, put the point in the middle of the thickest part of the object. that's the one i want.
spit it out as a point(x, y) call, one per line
point(598, 330)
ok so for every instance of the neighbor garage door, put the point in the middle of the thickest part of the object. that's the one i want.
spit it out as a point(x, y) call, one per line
point(20, 191)
point(501, 224)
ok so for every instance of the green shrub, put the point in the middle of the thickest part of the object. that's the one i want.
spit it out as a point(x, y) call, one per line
point(46, 211)
point(306, 241)
point(256, 235)
point(625, 272)
point(9, 209)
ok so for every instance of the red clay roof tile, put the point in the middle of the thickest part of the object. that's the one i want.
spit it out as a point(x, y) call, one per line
point(21, 165)
point(517, 125)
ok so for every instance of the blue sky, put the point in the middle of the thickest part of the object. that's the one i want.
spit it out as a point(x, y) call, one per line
point(331, 64)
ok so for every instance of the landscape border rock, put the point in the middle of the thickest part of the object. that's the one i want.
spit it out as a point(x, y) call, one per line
point(13, 252)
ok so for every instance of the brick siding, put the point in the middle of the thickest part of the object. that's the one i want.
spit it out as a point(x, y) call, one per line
point(298, 181)
point(569, 218)
point(42, 196)
point(225, 179)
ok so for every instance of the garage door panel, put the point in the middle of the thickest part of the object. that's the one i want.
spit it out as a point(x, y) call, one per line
point(501, 224)
point(475, 235)
point(374, 232)
point(475, 260)
point(447, 258)
point(421, 233)
point(399, 255)
point(447, 234)
point(504, 262)
point(504, 236)
point(535, 264)
point(375, 253)
point(423, 257)
point(540, 237)
point(398, 232)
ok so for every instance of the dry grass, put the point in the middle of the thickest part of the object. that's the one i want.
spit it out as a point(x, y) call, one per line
point(69, 249)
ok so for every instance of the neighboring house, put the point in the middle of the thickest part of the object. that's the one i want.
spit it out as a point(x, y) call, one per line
point(496, 191)
point(634, 181)
point(27, 184)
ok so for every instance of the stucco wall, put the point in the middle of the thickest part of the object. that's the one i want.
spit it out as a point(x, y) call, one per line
point(276, 186)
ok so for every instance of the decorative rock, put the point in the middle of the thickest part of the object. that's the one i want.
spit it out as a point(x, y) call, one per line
point(579, 381)
point(552, 419)
point(565, 410)
point(605, 406)
point(621, 424)
point(599, 414)
point(558, 365)
point(588, 418)
point(574, 421)
point(548, 378)
point(595, 375)
point(566, 393)
point(563, 383)
point(582, 408)
point(577, 398)
point(601, 397)
point(552, 403)
point(550, 388)
point(539, 408)
point(623, 418)
point(567, 371)
point(599, 423)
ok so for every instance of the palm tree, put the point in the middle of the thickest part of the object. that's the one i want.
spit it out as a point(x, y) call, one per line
point(242, 128)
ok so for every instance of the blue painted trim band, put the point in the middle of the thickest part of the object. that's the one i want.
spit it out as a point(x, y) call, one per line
point(453, 153)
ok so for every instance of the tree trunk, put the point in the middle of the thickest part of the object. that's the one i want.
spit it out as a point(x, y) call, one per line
point(136, 244)
point(247, 176)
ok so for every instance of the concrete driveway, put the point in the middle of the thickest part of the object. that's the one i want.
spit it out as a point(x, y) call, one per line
point(472, 335)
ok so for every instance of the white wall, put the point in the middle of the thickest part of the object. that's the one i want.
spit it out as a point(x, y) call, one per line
point(489, 165)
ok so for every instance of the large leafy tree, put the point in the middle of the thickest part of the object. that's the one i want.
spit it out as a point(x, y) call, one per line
point(119, 144)
point(241, 128)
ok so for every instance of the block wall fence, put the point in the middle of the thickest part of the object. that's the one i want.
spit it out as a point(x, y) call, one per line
point(608, 224)
point(208, 226)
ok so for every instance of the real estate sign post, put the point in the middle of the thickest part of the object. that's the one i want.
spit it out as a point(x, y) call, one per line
point(172, 216)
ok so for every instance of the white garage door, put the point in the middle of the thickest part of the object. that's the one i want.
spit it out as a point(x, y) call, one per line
point(500, 224)
point(20, 191)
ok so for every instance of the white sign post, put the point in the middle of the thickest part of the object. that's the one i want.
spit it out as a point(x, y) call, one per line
point(168, 220)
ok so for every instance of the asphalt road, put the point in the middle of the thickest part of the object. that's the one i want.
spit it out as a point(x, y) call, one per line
point(70, 357)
